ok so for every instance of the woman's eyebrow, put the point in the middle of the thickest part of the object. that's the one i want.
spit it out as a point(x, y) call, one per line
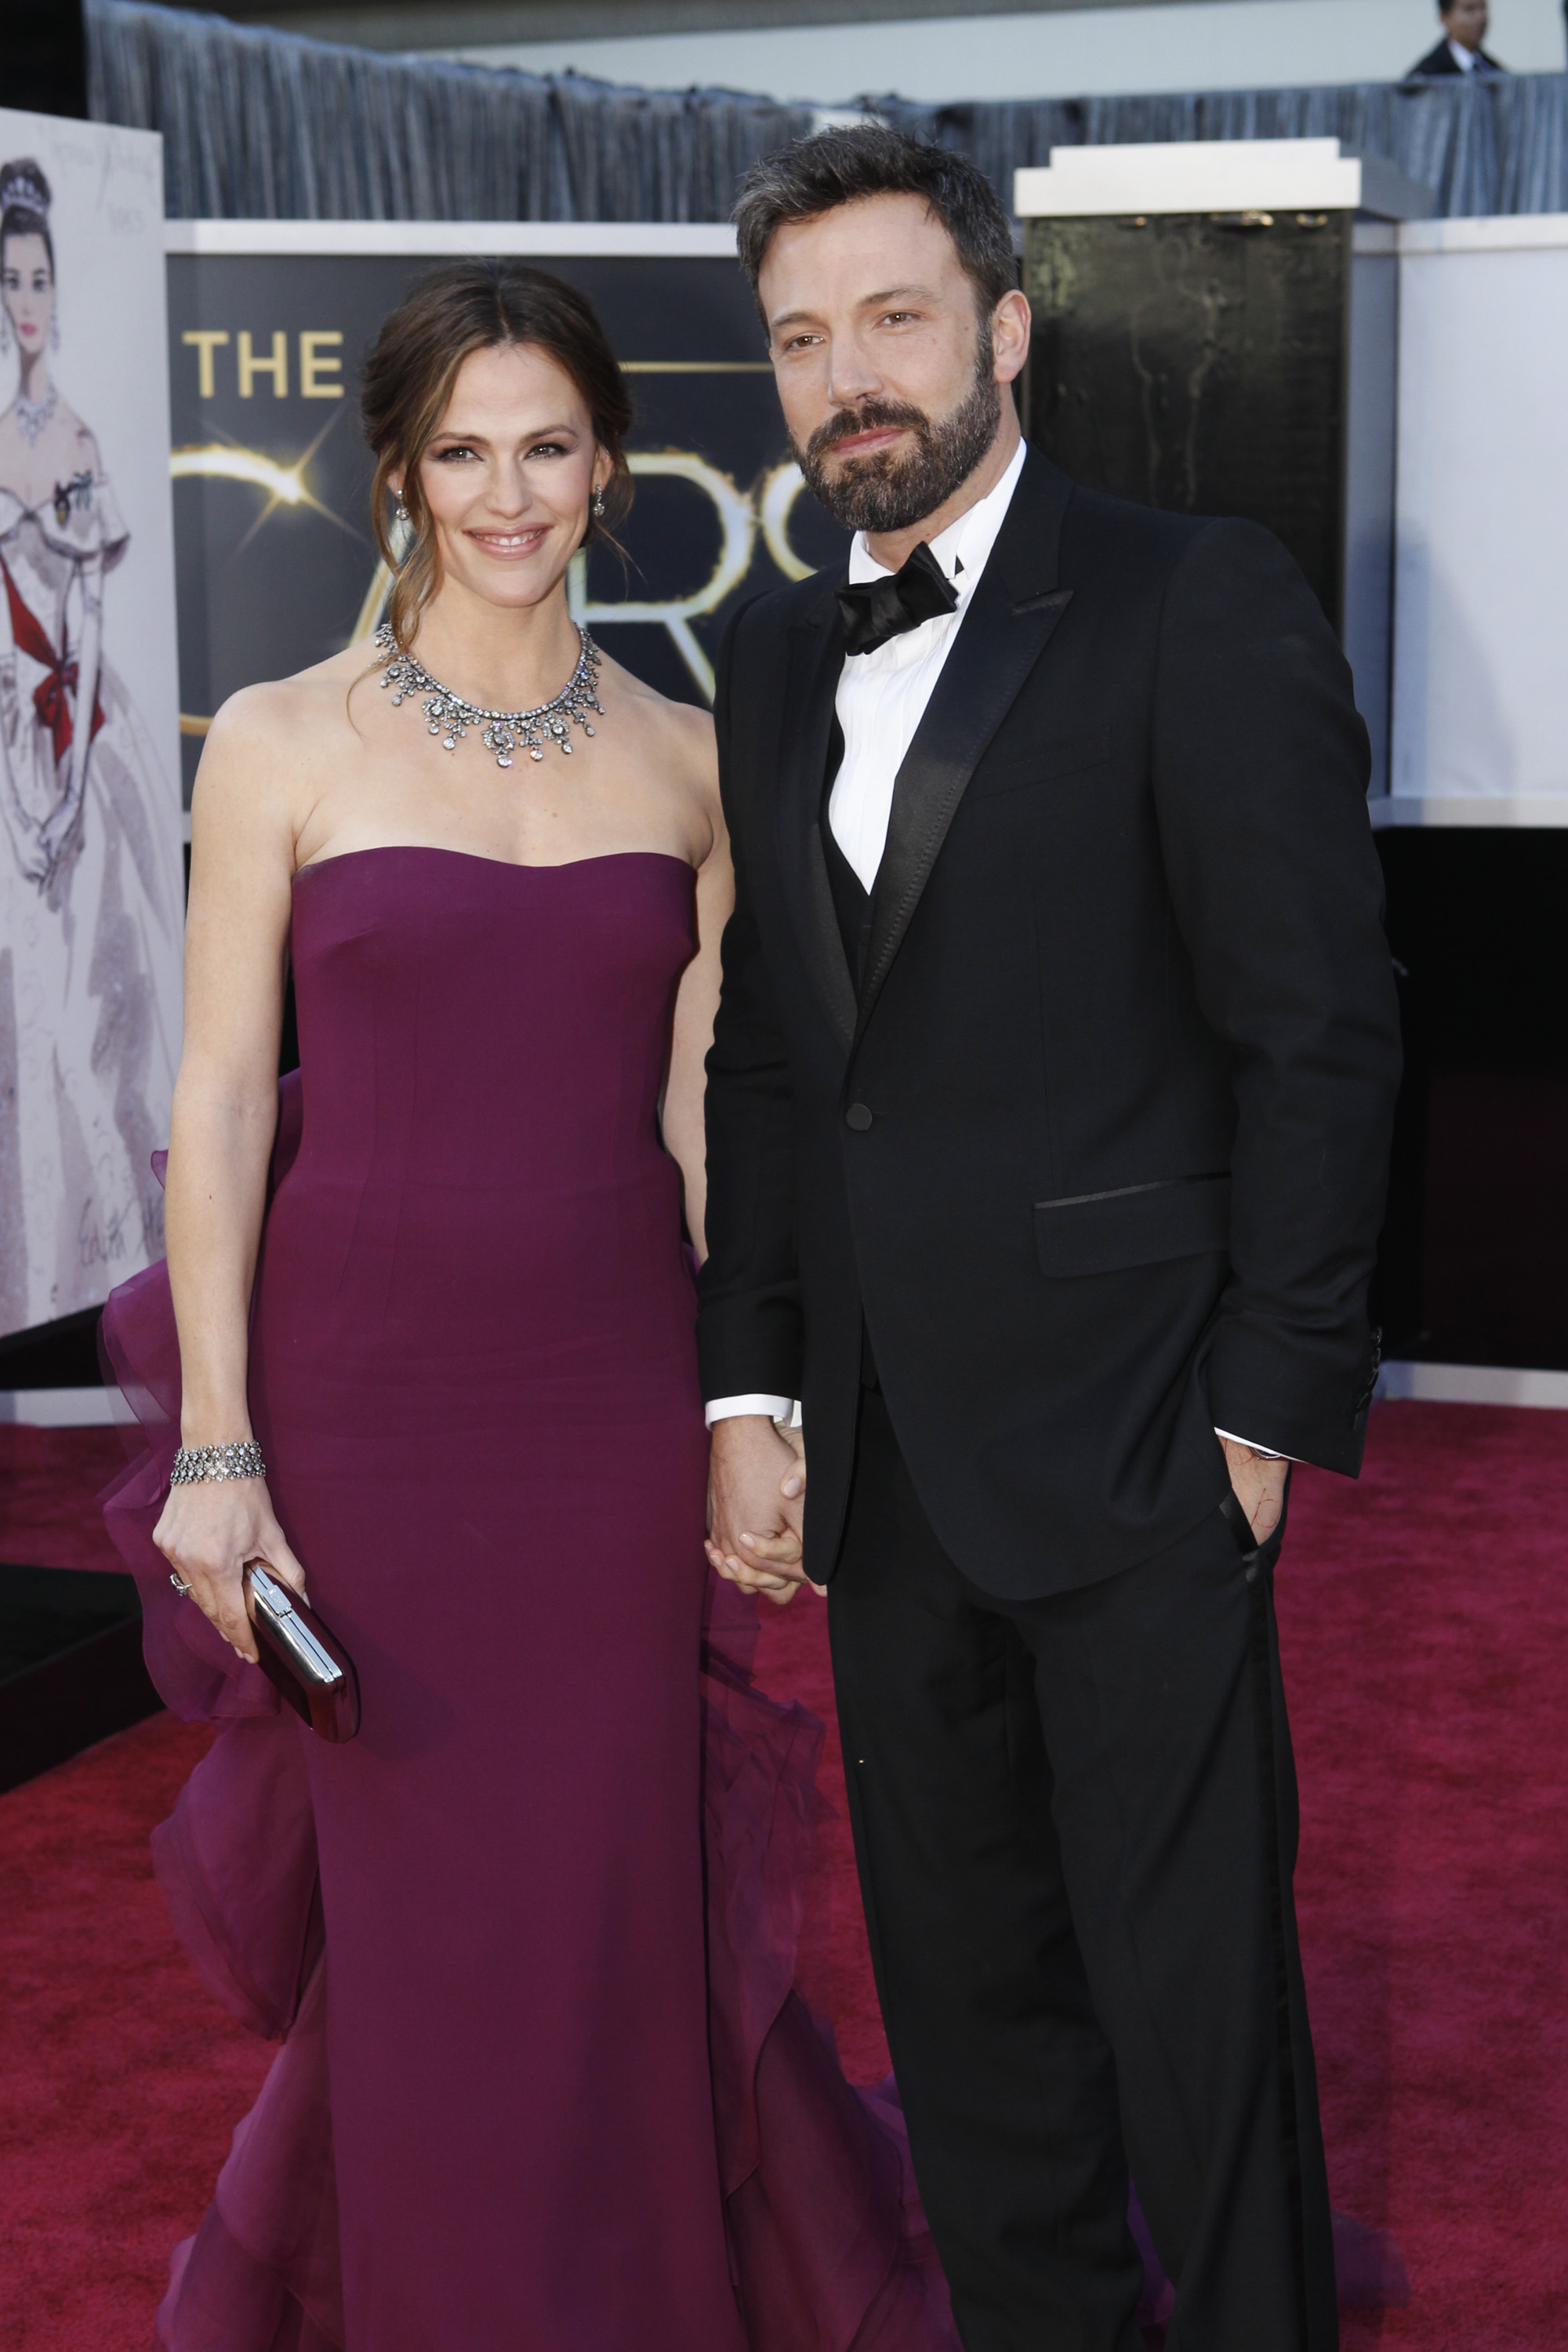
point(535, 432)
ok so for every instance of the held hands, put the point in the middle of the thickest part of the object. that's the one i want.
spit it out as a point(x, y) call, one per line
point(756, 1488)
point(207, 1533)
point(1259, 1484)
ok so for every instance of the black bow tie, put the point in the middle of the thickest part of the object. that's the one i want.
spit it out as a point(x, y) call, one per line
point(876, 610)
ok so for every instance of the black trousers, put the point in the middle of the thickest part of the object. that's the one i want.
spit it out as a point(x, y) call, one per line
point(1075, 1821)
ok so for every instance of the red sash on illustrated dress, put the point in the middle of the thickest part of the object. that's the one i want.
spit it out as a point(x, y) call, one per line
point(52, 696)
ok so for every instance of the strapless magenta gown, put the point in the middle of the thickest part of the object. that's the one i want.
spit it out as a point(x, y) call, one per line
point(530, 1940)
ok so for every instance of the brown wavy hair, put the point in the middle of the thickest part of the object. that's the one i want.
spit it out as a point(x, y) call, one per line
point(464, 307)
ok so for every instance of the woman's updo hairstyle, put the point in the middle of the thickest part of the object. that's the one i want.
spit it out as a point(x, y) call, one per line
point(25, 201)
point(465, 307)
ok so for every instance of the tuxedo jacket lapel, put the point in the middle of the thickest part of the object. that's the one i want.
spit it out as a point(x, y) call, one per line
point(816, 659)
point(1009, 622)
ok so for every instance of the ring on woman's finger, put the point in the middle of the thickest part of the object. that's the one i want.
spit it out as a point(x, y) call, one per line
point(178, 1581)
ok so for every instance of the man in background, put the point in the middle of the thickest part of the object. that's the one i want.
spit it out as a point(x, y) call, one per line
point(1459, 51)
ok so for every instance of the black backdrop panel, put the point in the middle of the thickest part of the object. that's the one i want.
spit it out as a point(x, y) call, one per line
point(1196, 362)
point(273, 545)
point(1474, 1264)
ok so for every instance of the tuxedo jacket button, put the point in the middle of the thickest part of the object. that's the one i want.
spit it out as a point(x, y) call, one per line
point(858, 1116)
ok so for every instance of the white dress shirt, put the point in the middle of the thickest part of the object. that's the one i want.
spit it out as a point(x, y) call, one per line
point(1464, 58)
point(882, 695)
point(881, 699)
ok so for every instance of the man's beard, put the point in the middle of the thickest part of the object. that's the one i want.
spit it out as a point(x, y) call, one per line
point(889, 491)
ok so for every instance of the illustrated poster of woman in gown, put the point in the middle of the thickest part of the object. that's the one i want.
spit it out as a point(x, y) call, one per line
point(90, 919)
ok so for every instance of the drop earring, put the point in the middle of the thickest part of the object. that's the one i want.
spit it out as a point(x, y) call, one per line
point(598, 506)
point(4, 329)
point(402, 513)
point(53, 330)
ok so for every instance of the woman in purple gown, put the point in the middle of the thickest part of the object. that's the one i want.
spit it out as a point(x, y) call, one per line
point(528, 1939)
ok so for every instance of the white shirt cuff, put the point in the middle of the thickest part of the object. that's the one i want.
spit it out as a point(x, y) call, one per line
point(1265, 1452)
point(777, 1408)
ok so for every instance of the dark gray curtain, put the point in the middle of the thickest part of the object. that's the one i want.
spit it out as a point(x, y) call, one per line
point(263, 125)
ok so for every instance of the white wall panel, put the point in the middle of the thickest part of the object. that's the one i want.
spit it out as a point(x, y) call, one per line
point(1480, 662)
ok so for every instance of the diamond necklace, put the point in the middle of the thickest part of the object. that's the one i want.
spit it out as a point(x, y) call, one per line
point(450, 717)
point(32, 415)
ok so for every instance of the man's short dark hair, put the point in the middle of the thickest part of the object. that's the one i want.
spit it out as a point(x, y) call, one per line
point(839, 166)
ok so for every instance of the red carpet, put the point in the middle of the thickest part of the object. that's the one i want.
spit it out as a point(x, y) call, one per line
point(120, 2082)
point(49, 1479)
point(1425, 1628)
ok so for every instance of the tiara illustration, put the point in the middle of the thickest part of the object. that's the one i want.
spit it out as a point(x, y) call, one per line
point(24, 183)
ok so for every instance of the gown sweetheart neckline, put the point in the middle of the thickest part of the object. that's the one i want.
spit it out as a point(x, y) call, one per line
point(477, 857)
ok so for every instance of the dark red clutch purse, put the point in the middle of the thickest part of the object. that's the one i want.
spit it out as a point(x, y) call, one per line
point(300, 1656)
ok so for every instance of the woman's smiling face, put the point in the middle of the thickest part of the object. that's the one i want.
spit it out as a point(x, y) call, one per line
point(509, 474)
point(28, 290)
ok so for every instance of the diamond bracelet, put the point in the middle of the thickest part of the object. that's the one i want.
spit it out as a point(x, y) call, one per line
point(194, 1463)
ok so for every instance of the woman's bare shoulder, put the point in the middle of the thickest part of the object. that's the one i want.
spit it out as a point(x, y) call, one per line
point(271, 745)
point(681, 732)
point(277, 713)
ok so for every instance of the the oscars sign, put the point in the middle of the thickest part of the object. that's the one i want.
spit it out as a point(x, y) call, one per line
point(268, 326)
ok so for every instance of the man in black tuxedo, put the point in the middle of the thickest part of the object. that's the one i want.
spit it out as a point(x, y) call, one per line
point(1048, 1110)
point(1459, 51)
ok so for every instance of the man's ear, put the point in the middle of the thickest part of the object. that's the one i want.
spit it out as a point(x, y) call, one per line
point(1010, 326)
